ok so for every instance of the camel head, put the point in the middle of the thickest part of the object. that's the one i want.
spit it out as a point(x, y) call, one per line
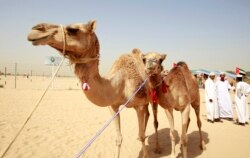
point(78, 38)
point(153, 62)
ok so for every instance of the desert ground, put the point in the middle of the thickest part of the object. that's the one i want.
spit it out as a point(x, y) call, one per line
point(65, 121)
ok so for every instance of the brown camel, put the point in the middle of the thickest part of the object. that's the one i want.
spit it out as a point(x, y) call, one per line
point(176, 89)
point(82, 49)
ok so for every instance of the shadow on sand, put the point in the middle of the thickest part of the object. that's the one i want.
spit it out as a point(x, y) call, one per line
point(165, 144)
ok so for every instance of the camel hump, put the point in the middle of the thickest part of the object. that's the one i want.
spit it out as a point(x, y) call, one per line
point(136, 51)
point(181, 63)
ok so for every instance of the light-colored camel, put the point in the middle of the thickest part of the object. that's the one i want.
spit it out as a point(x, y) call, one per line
point(176, 89)
point(82, 49)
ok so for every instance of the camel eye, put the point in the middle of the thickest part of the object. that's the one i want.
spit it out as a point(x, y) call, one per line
point(72, 30)
point(144, 61)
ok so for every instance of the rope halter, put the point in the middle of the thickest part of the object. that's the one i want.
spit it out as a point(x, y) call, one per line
point(72, 59)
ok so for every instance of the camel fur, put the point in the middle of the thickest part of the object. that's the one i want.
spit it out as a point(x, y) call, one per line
point(82, 49)
point(176, 89)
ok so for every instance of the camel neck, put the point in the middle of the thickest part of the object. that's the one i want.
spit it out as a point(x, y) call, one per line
point(88, 70)
point(89, 75)
point(97, 86)
point(155, 81)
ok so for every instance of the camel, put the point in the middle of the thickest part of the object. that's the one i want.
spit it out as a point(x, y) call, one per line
point(176, 89)
point(79, 43)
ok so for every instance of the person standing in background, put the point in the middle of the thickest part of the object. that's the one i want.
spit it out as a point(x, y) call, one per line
point(211, 99)
point(224, 100)
point(242, 91)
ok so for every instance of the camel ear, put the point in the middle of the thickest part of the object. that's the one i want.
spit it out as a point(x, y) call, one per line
point(143, 58)
point(163, 56)
point(91, 26)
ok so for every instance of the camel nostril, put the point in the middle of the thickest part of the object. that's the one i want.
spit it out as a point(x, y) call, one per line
point(39, 27)
point(149, 67)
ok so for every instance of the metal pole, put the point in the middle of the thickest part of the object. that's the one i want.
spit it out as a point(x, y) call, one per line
point(5, 71)
point(30, 75)
point(52, 74)
point(15, 73)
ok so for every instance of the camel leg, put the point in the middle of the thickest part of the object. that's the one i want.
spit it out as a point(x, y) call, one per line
point(188, 123)
point(197, 113)
point(118, 141)
point(157, 148)
point(141, 121)
point(146, 118)
point(169, 113)
point(184, 139)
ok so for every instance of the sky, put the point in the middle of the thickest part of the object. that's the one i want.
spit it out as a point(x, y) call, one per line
point(208, 34)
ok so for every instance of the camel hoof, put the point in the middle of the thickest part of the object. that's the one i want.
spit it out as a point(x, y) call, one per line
point(172, 156)
point(203, 146)
point(145, 156)
point(157, 151)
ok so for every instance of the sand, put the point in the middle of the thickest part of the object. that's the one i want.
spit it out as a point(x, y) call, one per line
point(65, 121)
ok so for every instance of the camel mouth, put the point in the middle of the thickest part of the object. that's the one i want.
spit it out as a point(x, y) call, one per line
point(38, 37)
point(150, 72)
point(39, 41)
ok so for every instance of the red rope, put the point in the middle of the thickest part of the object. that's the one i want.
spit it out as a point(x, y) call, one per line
point(153, 94)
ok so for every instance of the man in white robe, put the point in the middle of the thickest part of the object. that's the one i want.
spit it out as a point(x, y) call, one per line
point(242, 91)
point(224, 99)
point(211, 99)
